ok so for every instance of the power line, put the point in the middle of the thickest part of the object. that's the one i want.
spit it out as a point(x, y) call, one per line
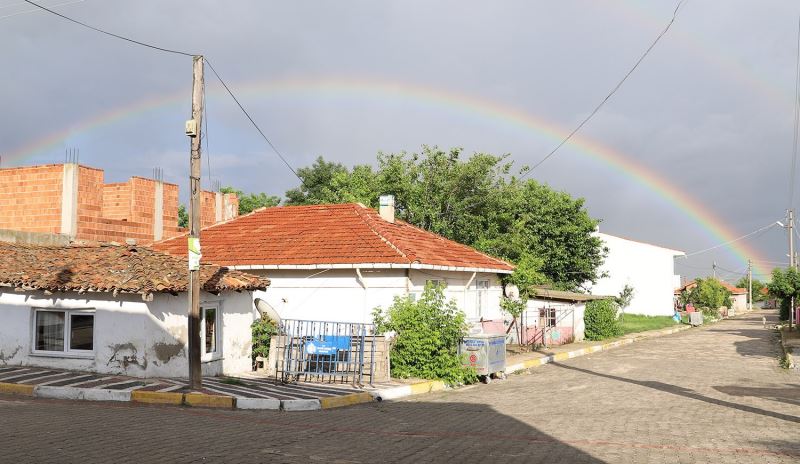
point(167, 50)
point(207, 61)
point(34, 11)
point(720, 245)
point(610, 94)
point(264, 136)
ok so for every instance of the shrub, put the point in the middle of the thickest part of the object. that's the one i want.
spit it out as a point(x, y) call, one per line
point(709, 292)
point(263, 329)
point(429, 331)
point(601, 320)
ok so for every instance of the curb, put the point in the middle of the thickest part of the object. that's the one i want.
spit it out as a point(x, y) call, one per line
point(345, 400)
point(427, 386)
point(787, 354)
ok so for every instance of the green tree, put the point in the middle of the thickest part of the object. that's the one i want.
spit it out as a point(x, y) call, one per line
point(429, 331)
point(249, 202)
point(183, 217)
point(624, 299)
point(758, 287)
point(785, 285)
point(600, 319)
point(709, 295)
point(525, 277)
point(477, 201)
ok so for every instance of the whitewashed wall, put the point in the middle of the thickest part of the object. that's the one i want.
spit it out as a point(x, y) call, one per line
point(649, 269)
point(339, 295)
point(131, 336)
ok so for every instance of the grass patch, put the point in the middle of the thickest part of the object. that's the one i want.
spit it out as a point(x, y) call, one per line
point(232, 381)
point(637, 323)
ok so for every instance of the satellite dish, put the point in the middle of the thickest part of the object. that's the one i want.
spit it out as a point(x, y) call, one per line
point(266, 309)
point(512, 291)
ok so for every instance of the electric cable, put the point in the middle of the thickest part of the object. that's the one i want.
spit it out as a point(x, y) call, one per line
point(720, 245)
point(610, 94)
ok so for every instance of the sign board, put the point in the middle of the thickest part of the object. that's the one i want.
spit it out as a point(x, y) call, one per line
point(194, 253)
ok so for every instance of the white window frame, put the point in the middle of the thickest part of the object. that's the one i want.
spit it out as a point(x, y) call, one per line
point(214, 355)
point(68, 351)
point(479, 308)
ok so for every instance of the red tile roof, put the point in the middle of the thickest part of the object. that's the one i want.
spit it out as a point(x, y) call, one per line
point(110, 268)
point(324, 235)
point(734, 290)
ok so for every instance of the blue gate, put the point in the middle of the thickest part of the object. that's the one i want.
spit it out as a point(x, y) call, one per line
point(325, 351)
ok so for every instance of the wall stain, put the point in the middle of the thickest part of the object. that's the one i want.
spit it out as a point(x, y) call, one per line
point(5, 358)
point(166, 351)
point(124, 355)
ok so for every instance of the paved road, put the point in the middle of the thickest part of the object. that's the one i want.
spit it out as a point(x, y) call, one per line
point(714, 395)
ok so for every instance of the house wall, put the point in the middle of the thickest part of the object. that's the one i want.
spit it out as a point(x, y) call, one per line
point(131, 336)
point(739, 303)
point(30, 198)
point(570, 322)
point(339, 295)
point(649, 269)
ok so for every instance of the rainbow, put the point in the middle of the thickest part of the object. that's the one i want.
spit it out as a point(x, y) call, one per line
point(486, 109)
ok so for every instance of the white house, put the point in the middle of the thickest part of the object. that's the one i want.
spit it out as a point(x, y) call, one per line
point(555, 317)
point(649, 269)
point(119, 310)
point(339, 262)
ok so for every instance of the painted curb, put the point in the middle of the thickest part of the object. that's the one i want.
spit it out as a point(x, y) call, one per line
point(16, 389)
point(531, 363)
point(258, 403)
point(427, 386)
point(300, 405)
point(150, 397)
point(73, 393)
point(209, 401)
point(345, 400)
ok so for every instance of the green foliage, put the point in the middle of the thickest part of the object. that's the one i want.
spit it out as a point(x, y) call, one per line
point(262, 329)
point(429, 331)
point(785, 284)
point(710, 294)
point(758, 286)
point(183, 217)
point(475, 201)
point(601, 320)
point(625, 297)
point(252, 201)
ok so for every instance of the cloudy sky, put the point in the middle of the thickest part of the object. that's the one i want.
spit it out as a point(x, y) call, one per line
point(694, 150)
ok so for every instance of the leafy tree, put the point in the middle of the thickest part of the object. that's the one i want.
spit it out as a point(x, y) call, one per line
point(758, 286)
point(709, 295)
point(429, 331)
point(476, 201)
point(600, 319)
point(183, 217)
point(252, 201)
point(525, 277)
point(785, 284)
point(263, 329)
point(624, 299)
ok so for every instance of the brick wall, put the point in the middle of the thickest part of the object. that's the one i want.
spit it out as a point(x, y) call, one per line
point(117, 201)
point(30, 198)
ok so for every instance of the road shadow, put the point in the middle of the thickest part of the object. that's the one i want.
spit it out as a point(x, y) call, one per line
point(686, 393)
point(788, 395)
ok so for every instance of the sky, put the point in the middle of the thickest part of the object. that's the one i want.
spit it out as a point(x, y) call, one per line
point(702, 129)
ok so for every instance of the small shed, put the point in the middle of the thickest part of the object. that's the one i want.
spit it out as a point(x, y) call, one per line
point(555, 317)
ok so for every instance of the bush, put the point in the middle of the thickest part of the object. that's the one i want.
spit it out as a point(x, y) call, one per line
point(709, 292)
point(263, 329)
point(429, 331)
point(710, 313)
point(601, 320)
point(785, 309)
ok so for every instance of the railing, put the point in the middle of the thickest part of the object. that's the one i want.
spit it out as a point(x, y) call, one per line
point(325, 351)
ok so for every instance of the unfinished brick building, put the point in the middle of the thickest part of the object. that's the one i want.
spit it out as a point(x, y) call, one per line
point(73, 201)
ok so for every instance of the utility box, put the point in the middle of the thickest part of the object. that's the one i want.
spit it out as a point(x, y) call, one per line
point(485, 353)
point(695, 319)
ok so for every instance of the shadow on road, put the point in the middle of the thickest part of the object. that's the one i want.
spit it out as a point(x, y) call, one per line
point(686, 393)
point(789, 395)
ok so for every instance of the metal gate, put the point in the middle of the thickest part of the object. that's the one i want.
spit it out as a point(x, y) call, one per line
point(325, 351)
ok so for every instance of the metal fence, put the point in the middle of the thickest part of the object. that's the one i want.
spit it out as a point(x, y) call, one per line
point(548, 325)
point(325, 351)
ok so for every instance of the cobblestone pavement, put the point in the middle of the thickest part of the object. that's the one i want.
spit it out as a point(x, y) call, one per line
point(704, 395)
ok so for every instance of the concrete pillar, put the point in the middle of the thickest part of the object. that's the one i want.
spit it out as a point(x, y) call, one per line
point(158, 212)
point(219, 206)
point(69, 200)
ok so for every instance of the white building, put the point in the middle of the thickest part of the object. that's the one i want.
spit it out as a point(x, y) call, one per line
point(119, 310)
point(339, 262)
point(649, 269)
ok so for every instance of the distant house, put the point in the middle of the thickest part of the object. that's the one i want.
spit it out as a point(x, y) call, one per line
point(649, 269)
point(738, 295)
point(339, 262)
point(119, 310)
point(555, 317)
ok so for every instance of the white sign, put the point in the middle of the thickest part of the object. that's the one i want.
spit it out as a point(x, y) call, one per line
point(194, 253)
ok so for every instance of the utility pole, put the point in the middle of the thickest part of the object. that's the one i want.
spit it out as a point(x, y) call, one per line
point(714, 268)
point(193, 131)
point(750, 285)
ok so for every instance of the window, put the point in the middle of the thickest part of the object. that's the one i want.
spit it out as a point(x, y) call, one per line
point(482, 296)
point(209, 328)
point(441, 283)
point(63, 331)
point(547, 317)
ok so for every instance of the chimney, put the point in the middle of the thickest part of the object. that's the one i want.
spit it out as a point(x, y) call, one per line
point(387, 208)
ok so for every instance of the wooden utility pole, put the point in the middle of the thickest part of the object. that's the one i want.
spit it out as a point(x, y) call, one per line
point(193, 130)
point(750, 285)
